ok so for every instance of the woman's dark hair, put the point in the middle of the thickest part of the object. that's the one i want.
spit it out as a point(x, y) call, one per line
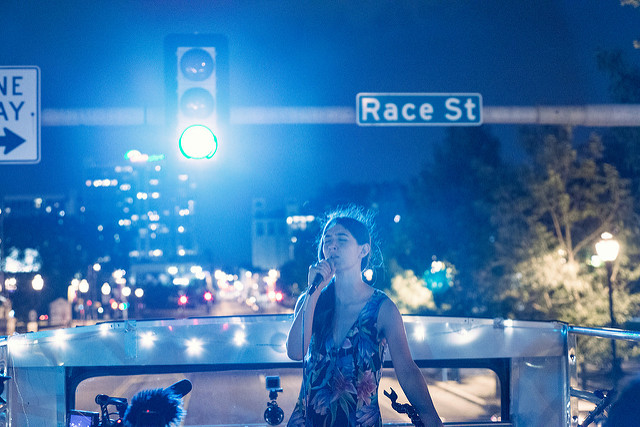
point(360, 224)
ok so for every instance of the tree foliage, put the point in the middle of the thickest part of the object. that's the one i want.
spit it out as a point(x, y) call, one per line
point(567, 197)
point(448, 212)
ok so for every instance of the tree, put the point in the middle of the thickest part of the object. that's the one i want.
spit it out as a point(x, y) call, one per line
point(410, 293)
point(623, 144)
point(547, 226)
point(448, 216)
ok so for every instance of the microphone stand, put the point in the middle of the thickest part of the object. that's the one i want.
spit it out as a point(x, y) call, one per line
point(304, 363)
point(310, 291)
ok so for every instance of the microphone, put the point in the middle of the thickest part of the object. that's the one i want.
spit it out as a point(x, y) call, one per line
point(158, 407)
point(103, 399)
point(120, 403)
point(181, 388)
point(316, 282)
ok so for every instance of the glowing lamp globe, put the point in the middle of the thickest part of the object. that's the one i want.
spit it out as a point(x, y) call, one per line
point(607, 248)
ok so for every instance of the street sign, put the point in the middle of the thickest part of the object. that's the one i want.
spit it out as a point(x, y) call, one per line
point(19, 114)
point(419, 109)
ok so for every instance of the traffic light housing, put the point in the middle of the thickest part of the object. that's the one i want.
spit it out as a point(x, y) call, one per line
point(196, 76)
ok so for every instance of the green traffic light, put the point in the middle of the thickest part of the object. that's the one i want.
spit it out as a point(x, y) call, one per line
point(198, 142)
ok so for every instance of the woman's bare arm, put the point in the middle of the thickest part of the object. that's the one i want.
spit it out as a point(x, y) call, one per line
point(407, 372)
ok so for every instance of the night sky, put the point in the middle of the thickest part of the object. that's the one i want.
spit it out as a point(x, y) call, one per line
point(300, 53)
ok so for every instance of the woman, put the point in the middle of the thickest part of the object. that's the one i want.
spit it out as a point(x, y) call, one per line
point(343, 328)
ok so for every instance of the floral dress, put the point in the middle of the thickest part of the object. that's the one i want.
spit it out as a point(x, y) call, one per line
point(342, 382)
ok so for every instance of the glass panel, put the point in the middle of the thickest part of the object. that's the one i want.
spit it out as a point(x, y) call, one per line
point(239, 398)
point(459, 395)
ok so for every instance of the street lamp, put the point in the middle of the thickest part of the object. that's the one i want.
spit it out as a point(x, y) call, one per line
point(608, 249)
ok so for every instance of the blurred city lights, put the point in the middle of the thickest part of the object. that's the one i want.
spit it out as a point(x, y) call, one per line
point(182, 300)
point(105, 289)
point(181, 281)
point(139, 292)
point(37, 283)
point(11, 284)
point(208, 296)
point(83, 286)
point(126, 291)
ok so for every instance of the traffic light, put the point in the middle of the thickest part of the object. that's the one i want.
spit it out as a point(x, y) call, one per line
point(196, 77)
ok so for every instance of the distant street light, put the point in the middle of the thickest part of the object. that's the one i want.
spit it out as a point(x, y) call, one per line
point(37, 283)
point(105, 289)
point(83, 286)
point(608, 249)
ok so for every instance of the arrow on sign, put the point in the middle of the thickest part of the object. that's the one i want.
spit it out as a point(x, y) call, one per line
point(10, 141)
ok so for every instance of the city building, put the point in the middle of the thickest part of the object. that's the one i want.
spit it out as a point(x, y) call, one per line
point(37, 232)
point(273, 233)
point(145, 209)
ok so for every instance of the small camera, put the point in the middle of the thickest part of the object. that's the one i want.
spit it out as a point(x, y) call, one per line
point(274, 414)
point(83, 419)
point(273, 383)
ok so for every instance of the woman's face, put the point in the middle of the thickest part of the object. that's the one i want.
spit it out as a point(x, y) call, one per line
point(341, 249)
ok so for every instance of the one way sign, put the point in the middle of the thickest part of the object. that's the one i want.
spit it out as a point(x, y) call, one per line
point(19, 115)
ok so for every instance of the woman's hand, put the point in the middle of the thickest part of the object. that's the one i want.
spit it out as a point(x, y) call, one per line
point(324, 269)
